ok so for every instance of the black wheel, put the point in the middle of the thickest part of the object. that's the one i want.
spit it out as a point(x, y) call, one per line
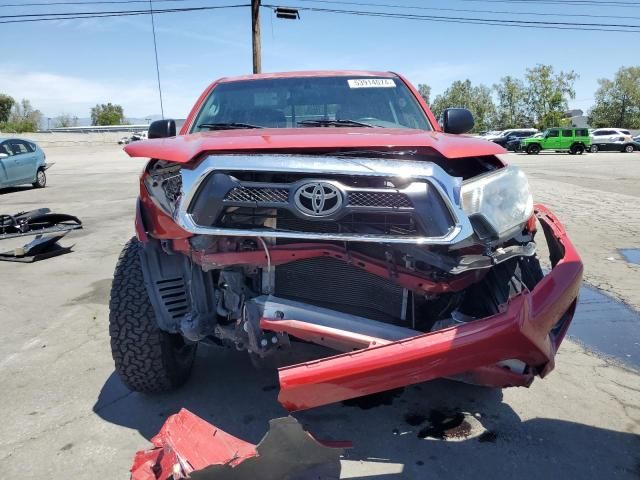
point(41, 179)
point(146, 358)
point(576, 150)
point(594, 149)
point(628, 149)
point(533, 149)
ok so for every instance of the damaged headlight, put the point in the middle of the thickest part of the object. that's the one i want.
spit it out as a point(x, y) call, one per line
point(503, 198)
point(164, 184)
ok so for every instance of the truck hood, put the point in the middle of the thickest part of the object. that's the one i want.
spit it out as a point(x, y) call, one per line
point(184, 148)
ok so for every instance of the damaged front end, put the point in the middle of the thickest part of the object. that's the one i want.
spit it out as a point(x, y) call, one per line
point(415, 269)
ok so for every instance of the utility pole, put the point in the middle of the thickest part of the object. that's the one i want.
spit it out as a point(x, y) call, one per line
point(255, 34)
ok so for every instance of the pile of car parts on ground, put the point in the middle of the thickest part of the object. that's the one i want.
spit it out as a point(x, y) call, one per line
point(47, 228)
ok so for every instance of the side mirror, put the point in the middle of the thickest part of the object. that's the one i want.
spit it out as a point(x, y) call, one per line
point(457, 120)
point(162, 129)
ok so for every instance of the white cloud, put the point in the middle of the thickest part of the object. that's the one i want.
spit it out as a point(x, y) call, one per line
point(53, 93)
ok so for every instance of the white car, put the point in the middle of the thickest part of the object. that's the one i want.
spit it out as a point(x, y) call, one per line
point(612, 139)
point(134, 137)
point(490, 135)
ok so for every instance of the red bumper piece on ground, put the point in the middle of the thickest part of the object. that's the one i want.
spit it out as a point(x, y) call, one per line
point(529, 329)
point(189, 447)
point(187, 443)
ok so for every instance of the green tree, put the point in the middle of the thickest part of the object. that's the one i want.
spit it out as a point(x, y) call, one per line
point(548, 95)
point(512, 103)
point(6, 104)
point(425, 92)
point(109, 114)
point(23, 118)
point(617, 101)
point(477, 99)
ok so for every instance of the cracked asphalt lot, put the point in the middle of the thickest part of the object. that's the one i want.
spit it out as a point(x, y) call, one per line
point(65, 415)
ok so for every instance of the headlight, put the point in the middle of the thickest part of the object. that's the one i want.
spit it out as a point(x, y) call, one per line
point(164, 184)
point(502, 198)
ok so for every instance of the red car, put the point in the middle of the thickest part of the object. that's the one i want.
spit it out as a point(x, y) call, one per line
point(333, 208)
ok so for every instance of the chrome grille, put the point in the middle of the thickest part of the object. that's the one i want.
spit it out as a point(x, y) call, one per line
point(379, 200)
point(257, 194)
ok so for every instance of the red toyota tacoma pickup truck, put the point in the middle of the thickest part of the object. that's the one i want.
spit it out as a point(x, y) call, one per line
point(333, 208)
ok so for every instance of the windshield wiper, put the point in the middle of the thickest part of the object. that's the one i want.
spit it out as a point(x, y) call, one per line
point(227, 126)
point(333, 123)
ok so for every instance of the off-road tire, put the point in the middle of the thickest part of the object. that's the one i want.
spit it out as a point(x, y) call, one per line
point(576, 150)
point(533, 149)
point(146, 358)
point(41, 179)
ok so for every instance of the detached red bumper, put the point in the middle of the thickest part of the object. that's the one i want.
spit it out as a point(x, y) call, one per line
point(189, 447)
point(530, 329)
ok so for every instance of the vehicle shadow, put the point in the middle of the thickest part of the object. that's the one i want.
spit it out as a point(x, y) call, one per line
point(4, 191)
point(229, 392)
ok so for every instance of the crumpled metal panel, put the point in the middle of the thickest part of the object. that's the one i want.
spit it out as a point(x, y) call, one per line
point(189, 447)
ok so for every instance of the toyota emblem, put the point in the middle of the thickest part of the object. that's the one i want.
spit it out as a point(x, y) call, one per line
point(318, 199)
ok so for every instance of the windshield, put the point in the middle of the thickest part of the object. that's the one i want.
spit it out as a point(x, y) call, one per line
point(311, 102)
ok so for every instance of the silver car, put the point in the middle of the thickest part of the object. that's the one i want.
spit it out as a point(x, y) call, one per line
point(612, 139)
point(21, 162)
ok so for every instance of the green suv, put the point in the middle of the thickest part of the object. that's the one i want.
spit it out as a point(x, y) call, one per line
point(574, 140)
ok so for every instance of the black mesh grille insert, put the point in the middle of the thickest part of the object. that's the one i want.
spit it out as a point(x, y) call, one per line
point(257, 194)
point(379, 200)
point(330, 283)
point(372, 223)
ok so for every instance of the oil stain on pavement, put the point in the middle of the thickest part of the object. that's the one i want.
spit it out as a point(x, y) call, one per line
point(445, 425)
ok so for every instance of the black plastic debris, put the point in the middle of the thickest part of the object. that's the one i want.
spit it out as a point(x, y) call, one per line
point(47, 228)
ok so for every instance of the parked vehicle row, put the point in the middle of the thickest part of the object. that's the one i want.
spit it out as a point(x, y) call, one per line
point(22, 162)
point(572, 140)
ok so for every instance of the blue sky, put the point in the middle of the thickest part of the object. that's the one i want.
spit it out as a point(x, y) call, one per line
point(68, 66)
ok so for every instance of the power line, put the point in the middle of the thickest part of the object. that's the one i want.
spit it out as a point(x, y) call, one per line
point(326, 10)
point(480, 21)
point(91, 2)
point(592, 3)
point(48, 17)
point(405, 16)
point(145, 11)
point(463, 10)
point(155, 49)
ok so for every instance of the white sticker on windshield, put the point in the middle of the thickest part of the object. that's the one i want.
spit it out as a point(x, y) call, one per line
point(371, 83)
